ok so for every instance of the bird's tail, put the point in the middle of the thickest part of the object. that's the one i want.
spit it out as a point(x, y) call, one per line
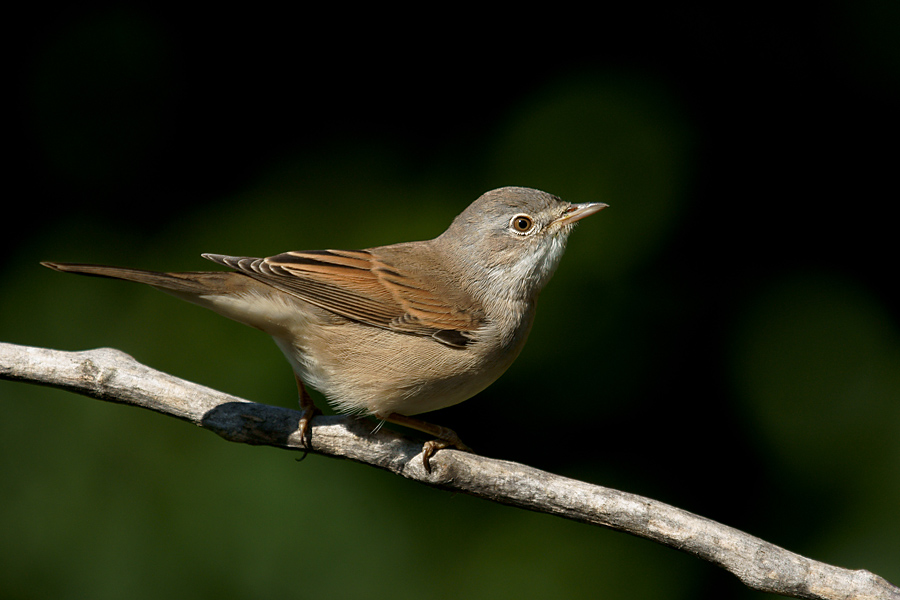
point(190, 283)
point(229, 293)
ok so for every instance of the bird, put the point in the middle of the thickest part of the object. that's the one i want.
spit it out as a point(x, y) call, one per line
point(398, 330)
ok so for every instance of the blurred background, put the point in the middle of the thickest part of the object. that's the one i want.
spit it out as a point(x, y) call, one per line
point(724, 338)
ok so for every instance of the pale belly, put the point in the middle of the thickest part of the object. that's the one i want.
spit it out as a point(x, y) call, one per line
point(384, 372)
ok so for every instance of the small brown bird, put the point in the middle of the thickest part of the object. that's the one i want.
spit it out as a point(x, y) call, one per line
point(396, 330)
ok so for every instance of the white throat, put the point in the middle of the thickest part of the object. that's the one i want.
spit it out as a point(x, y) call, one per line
point(525, 278)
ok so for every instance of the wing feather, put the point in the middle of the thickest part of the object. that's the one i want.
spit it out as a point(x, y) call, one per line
point(358, 285)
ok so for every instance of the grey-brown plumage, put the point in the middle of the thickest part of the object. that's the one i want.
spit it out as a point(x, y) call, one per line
point(395, 330)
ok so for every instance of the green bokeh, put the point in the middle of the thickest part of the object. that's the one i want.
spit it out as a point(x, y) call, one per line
point(104, 501)
point(817, 365)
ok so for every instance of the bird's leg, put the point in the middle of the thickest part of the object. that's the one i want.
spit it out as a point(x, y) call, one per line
point(446, 437)
point(308, 410)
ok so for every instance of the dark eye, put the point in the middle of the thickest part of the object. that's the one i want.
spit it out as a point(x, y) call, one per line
point(522, 223)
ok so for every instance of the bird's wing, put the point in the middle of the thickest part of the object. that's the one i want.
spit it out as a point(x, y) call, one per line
point(357, 285)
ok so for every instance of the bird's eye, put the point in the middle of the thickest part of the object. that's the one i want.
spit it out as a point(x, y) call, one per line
point(522, 223)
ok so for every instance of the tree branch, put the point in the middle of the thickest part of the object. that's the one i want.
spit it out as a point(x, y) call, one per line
point(113, 376)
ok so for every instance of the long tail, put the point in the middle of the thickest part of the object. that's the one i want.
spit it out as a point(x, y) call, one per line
point(190, 283)
point(229, 293)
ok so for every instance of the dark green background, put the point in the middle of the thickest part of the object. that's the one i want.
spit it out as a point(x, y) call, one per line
point(723, 338)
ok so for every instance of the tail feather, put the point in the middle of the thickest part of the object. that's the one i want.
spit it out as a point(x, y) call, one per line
point(196, 282)
point(229, 293)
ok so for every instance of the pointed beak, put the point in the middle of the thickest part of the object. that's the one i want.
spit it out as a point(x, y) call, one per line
point(576, 212)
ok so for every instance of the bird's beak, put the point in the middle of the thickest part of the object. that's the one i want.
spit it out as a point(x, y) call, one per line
point(576, 212)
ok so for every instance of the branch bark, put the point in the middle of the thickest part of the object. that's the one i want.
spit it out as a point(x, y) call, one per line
point(113, 376)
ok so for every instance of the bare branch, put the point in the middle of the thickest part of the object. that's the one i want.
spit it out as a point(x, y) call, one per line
point(113, 376)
